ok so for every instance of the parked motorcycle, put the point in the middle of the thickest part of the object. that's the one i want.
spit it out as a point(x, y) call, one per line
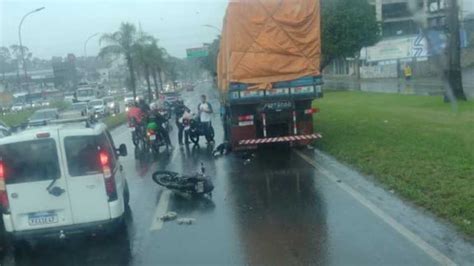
point(154, 138)
point(197, 129)
point(166, 113)
point(195, 185)
point(135, 130)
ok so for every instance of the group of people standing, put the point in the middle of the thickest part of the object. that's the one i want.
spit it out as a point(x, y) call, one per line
point(141, 112)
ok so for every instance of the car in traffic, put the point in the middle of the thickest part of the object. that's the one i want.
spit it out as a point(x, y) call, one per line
point(5, 130)
point(170, 98)
point(128, 99)
point(98, 108)
point(43, 116)
point(17, 107)
point(61, 180)
point(112, 104)
point(69, 97)
point(75, 110)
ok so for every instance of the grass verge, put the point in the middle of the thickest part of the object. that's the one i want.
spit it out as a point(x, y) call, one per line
point(416, 145)
point(17, 118)
point(115, 121)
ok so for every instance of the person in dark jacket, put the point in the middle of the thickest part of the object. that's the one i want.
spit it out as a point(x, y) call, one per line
point(179, 110)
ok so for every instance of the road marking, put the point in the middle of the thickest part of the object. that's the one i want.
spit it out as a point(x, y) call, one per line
point(161, 209)
point(427, 248)
point(175, 154)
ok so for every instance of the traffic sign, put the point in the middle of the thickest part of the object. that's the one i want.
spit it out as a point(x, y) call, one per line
point(197, 52)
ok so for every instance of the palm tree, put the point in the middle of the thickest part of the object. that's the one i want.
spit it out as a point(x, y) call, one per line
point(158, 66)
point(144, 56)
point(122, 43)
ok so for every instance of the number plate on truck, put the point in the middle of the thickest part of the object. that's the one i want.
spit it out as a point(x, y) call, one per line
point(42, 218)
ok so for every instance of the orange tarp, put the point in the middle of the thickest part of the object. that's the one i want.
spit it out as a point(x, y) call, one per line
point(266, 41)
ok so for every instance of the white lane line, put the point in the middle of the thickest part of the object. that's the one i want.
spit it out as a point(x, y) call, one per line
point(427, 248)
point(176, 150)
point(161, 209)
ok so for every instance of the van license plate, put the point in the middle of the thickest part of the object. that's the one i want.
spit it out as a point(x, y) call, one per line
point(132, 129)
point(42, 218)
point(152, 137)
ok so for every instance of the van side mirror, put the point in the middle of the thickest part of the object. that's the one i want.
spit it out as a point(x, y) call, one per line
point(122, 150)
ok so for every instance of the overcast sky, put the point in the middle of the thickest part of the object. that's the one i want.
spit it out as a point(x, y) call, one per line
point(64, 25)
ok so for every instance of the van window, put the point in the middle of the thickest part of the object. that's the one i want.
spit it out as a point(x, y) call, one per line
point(82, 154)
point(30, 161)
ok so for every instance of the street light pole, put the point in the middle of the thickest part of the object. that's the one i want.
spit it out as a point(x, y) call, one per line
point(87, 40)
point(213, 27)
point(21, 43)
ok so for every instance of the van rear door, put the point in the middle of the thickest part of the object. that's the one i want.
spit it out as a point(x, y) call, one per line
point(86, 185)
point(35, 185)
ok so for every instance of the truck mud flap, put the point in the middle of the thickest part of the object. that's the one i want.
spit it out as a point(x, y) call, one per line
point(280, 139)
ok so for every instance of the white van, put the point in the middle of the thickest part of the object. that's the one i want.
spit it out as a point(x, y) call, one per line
point(61, 180)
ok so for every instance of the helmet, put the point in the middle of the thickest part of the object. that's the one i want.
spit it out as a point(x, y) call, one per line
point(152, 126)
point(154, 106)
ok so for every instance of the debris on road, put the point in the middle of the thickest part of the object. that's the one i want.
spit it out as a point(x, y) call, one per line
point(169, 216)
point(185, 221)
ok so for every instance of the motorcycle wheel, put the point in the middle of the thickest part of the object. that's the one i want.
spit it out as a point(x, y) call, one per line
point(165, 178)
point(194, 138)
point(155, 150)
point(210, 135)
point(134, 138)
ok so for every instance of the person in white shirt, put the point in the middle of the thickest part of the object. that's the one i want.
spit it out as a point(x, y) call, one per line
point(205, 111)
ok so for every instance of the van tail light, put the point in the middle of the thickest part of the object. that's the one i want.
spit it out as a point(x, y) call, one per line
point(3, 190)
point(109, 177)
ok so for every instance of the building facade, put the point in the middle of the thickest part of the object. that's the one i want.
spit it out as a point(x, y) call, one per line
point(404, 17)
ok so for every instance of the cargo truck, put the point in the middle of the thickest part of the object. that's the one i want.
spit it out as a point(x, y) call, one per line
point(268, 72)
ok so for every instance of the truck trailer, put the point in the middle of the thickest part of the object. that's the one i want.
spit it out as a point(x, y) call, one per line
point(268, 72)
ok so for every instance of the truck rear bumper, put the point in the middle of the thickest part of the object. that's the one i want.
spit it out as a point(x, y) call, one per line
point(282, 139)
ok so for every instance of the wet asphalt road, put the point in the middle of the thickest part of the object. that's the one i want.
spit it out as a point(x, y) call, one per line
point(282, 207)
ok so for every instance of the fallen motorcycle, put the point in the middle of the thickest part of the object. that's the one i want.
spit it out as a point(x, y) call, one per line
point(196, 185)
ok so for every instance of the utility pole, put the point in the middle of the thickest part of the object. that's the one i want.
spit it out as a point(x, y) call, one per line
point(454, 71)
point(21, 45)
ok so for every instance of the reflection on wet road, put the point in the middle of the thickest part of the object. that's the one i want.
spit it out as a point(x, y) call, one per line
point(275, 209)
